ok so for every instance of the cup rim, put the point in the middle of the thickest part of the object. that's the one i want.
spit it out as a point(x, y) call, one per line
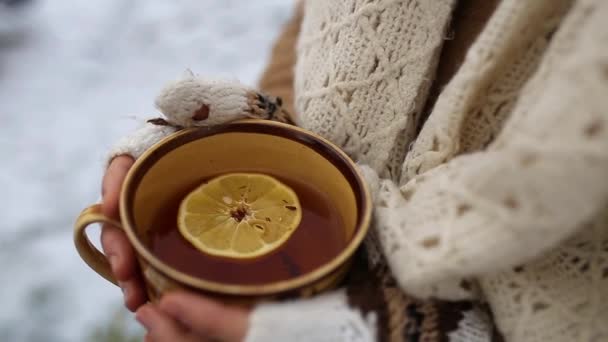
point(321, 145)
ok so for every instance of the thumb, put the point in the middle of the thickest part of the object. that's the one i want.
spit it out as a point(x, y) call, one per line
point(206, 317)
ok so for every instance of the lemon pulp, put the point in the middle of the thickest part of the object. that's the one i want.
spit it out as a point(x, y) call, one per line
point(239, 215)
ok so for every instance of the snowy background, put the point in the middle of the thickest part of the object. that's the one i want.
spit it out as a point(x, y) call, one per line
point(75, 76)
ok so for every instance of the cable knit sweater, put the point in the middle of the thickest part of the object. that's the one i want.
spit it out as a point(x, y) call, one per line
point(501, 197)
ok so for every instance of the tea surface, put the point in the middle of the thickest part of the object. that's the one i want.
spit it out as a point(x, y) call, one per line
point(318, 239)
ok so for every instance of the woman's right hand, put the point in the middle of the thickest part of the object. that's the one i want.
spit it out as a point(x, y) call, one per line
point(115, 244)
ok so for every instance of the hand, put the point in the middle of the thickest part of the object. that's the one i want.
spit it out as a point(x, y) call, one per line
point(186, 317)
point(115, 243)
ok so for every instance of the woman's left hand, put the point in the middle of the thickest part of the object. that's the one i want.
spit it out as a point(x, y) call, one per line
point(182, 316)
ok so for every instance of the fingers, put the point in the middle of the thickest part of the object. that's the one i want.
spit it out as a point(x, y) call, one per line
point(134, 293)
point(118, 251)
point(161, 327)
point(114, 242)
point(112, 184)
point(206, 317)
point(122, 259)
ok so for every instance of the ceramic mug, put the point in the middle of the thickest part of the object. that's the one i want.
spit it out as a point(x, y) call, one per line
point(175, 163)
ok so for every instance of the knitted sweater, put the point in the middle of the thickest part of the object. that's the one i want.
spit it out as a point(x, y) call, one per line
point(501, 197)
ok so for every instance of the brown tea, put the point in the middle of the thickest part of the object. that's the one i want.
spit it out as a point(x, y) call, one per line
point(318, 239)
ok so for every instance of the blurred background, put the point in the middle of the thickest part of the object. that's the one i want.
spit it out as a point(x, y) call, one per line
point(74, 77)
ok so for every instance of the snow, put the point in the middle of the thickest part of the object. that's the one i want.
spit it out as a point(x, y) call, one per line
point(74, 77)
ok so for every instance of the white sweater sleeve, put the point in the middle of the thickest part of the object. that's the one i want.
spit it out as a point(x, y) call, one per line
point(327, 318)
point(136, 143)
point(537, 184)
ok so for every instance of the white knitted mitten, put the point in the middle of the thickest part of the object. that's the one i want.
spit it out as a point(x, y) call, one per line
point(136, 143)
point(199, 102)
point(326, 318)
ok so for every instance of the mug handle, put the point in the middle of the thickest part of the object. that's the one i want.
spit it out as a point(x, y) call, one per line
point(88, 252)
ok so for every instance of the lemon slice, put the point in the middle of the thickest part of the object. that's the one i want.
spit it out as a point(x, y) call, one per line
point(239, 215)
